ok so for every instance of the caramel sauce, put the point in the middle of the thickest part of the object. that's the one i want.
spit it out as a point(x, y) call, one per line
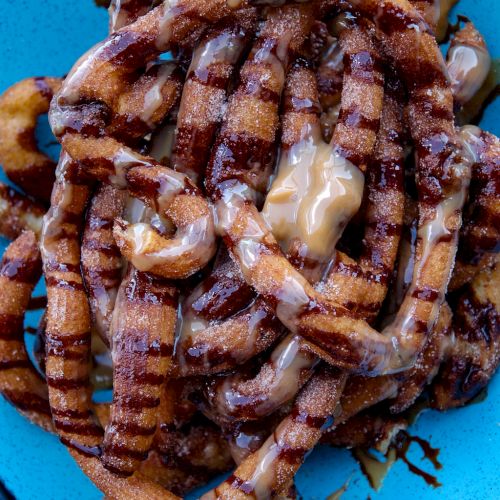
point(376, 470)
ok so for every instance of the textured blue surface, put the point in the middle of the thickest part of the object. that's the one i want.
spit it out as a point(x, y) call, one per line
point(45, 38)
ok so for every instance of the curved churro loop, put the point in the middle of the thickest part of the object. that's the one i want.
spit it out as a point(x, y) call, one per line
point(23, 163)
point(168, 193)
point(480, 232)
point(94, 88)
point(277, 382)
point(144, 105)
point(18, 213)
point(475, 355)
point(222, 324)
point(204, 97)
point(285, 450)
point(96, 83)
point(101, 258)
point(20, 383)
point(142, 338)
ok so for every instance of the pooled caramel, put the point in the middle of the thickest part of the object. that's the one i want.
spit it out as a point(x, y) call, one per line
point(315, 193)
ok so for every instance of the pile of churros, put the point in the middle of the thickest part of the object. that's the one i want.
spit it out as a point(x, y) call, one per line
point(283, 233)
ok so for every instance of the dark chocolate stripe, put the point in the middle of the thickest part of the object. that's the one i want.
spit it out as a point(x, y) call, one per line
point(69, 340)
point(393, 19)
point(121, 450)
point(61, 267)
point(208, 78)
point(108, 249)
point(11, 327)
point(364, 67)
point(294, 104)
point(306, 418)
point(9, 364)
point(52, 281)
point(27, 401)
point(239, 484)
point(67, 384)
point(430, 107)
point(21, 270)
point(96, 276)
point(133, 428)
point(82, 429)
point(426, 294)
point(354, 118)
point(138, 402)
point(420, 325)
point(386, 174)
point(70, 413)
point(369, 307)
point(149, 379)
point(356, 271)
point(292, 455)
point(253, 87)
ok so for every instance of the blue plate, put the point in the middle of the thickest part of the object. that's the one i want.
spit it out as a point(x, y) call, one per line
point(45, 38)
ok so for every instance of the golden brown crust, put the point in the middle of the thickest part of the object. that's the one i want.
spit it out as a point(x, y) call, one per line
point(142, 338)
point(101, 260)
point(118, 97)
point(18, 213)
point(22, 161)
point(20, 383)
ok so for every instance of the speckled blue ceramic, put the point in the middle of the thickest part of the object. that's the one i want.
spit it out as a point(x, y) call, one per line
point(45, 37)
